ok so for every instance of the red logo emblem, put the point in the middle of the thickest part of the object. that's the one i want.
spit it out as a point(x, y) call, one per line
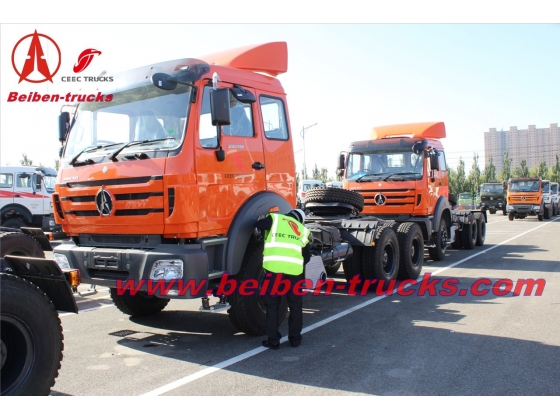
point(294, 227)
point(35, 61)
point(84, 59)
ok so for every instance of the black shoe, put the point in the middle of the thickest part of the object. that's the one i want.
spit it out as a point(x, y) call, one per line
point(295, 343)
point(268, 344)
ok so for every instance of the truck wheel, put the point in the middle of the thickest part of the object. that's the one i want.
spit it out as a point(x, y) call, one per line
point(457, 243)
point(546, 213)
point(540, 217)
point(511, 216)
point(17, 243)
point(32, 339)
point(470, 233)
point(353, 265)
point(381, 261)
point(411, 245)
point(504, 211)
point(437, 253)
point(139, 304)
point(333, 269)
point(481, 229)
point(248, 313)
point(492, 211)
point(335, 195)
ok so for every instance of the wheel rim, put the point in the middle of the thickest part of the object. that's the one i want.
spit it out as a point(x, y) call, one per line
point(416, 249)
point(388, 260)
point(18, 354)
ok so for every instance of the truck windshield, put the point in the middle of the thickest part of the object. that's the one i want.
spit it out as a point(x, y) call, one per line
point(546, 187)
point(396, 164)
point(524, 186)
point(493, 189)
point(49, 181)
point(144, 113)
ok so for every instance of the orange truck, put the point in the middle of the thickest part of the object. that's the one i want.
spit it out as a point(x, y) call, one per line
point(401, 173)
point(525, 198)
point(165, 181)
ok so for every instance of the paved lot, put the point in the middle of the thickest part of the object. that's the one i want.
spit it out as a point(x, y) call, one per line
point(352, 345)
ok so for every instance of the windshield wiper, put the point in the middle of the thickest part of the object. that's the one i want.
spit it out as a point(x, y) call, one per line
point(369, 175)
point(399, 173)
point(133, 143)
point(75, 158)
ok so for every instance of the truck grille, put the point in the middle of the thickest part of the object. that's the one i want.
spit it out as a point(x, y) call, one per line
point(403, 199)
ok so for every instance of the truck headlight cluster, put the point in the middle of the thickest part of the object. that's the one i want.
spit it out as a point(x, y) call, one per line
point(61, 260)
point(167, 270)
point(536, 207)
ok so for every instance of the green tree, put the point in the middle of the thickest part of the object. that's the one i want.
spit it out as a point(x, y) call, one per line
point(555, 175)
point(475, 175)
point(489, 172)
point(505, 173)
point(57, 164)
point(26, 161)
point(452, 176)
point(542, 170)
point(461, 176)
point(324, 175)
point(524, 169)
point(316, 173)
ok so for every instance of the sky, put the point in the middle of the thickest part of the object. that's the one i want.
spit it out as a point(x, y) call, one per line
point(343, 79)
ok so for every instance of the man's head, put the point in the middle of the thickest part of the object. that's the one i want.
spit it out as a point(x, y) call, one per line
point(297, 214)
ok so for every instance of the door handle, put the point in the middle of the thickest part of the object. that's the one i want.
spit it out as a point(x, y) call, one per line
point(17, 195)
point(257, 165)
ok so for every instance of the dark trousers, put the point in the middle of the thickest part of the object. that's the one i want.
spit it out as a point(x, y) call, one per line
point(295, 321)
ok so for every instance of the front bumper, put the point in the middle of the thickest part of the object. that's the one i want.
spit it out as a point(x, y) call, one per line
point(529, 209)
point(106, 266)
point(49, 225)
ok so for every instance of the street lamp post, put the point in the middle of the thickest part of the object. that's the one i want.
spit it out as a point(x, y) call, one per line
point(302, 134)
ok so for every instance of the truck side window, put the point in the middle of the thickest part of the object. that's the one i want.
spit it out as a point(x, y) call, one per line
point(23, 181)
point(274, 118)
point(241, 119)
point(6, 180)
point(442, 166)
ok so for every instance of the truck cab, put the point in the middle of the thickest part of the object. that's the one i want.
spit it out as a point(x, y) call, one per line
point(525, 198)
point(555, 197)
point(547, 198)
point(493, 197)
point(25, 197)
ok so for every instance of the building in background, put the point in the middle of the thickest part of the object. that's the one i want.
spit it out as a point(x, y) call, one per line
point(533, 145)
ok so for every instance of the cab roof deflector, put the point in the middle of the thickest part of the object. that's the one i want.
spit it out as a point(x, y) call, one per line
point(431, 130)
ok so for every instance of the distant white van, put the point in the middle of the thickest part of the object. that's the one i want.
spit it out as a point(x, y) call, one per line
point(334, 184)
point(305, 185)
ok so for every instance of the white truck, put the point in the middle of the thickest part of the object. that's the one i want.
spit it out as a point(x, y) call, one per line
point(25, 197)
point(547, 199)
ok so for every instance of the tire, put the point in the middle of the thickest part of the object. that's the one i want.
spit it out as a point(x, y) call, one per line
point(381, 261)
point(14, 223)
point(248, 313)
point(437, 253)
point(32, 339)
point(411, 246)
point(511, 216)
point(139, 304)
point(392, 225)
point(546, 213)
point(333, 269)
point(452, 199)
point(17, 243)
point(457, 243)
point(353, 265)
point(540, 217)
point(504, 211)
point(481, 229)
point(492, 211)
point(335, 195)
point(470, 234)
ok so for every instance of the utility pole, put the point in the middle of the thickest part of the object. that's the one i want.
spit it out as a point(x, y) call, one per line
point(302, 134)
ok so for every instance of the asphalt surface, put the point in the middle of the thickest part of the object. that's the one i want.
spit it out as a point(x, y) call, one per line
point(352, 345)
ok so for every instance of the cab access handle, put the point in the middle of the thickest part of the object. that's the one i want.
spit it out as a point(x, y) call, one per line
point(257, 165)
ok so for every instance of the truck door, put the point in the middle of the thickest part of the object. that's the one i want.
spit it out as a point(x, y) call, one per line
point(6, 189)
point(24, 194)
point(224, 186)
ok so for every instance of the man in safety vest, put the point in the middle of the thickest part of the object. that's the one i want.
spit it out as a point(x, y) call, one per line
point(286, 251)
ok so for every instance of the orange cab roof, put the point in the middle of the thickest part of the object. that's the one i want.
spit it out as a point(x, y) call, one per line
point(271, 58)
point(432, 130)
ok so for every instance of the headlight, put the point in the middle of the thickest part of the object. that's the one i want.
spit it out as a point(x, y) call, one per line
point(509, 208)
point(61, 260)
point(167, 270)
point(536, 207)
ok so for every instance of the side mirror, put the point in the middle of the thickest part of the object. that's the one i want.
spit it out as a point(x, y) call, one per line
point(219, 106)
point(164, 81)
point(243, 95)
point(63, 125)
point(434, 162)
point(341, 162)
point(419, 147)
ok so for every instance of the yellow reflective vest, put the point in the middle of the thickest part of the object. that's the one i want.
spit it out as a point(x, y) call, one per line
point(283, 245)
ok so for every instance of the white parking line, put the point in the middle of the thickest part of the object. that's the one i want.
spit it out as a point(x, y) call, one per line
point(226, 363)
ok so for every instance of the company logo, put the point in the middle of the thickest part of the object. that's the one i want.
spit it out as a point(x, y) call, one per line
point(523, 198)
point(84, 59)
point(294, 227)
point(104, 202)
point(35, 66)
point(380, 199)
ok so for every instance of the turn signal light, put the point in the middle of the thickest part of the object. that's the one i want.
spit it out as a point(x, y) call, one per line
point(74, 277)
